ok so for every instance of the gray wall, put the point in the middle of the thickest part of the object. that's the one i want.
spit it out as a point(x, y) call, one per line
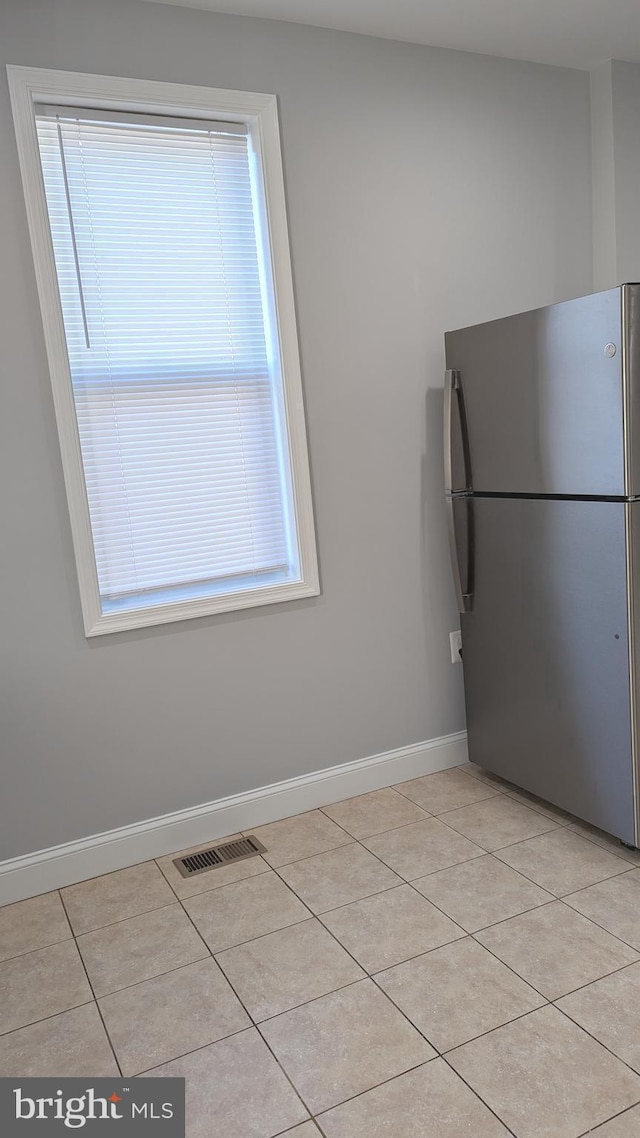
point(615, 151)
point(426, 189)
point(626, 136)
point(603, 182)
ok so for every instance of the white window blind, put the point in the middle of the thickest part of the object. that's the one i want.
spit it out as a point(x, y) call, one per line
point(164, 291)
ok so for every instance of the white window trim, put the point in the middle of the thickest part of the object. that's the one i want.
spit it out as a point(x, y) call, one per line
point(30, 85)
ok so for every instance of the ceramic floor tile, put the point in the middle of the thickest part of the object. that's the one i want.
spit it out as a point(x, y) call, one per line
point(608, 1010)
point(422, 848)
point(338, 877)
point(216, 878)
point(343, 1044)
point(139, 948)
point(116, 896)
point(390, 927)
point(31, 924)
point(287, 968)
point(613, 904)
point(457, 992)
point(562, 861)
point(481, 892)
point(304, 835)
point(374, 813)
point(307, 1130)
point(539, 804)
point(243, 911)
point(545, 1077)
point(446, 790)
point(555, 949)
point(72, 1043)
point(40, 984)
point(160, 1019)
point(607, 841)
point(430, 1102)
point(235, 1089)
point(625, 1125)
point(484, 775)
point(497, 822)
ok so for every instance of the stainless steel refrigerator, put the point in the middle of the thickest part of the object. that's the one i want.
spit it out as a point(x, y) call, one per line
point(542, 474)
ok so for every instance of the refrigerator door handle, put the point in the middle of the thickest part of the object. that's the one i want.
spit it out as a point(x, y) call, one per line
point(453, 554)
point(464, 594)
point(453, 391)
point(449, 384)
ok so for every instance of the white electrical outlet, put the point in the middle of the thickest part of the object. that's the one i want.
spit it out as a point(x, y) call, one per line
point(455, 641)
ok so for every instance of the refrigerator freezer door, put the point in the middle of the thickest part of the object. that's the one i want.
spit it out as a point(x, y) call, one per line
point(546, 654)
point(543, 399)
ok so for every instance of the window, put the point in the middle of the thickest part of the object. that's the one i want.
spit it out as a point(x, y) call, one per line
point(178, 390)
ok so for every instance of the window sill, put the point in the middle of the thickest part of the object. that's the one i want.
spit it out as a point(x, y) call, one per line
point(124, 619)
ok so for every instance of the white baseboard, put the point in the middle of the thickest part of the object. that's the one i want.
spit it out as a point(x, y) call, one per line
point(52, 868)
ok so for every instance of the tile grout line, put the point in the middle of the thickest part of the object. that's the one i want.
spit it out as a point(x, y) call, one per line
point(212, 888)
point(194, 1050)
point(590, 838)
point(514, 1019)
point(376, 833)
point(121, 920)
point(612, 1118)
point(580, 988)
point(250, 1027)
point(41, 948)
point(95, 998)
point(565, 901)
point(372, 978)
point(509, 791)
point(479, 1096)
point(216, 952)
point(313, 915)
point(604, 1046)
point(410, 882)
point(552, 828)
point(480, 1035)
point(483, 928)
point(252, 1024)
point(33, 1022)
point(304, 1003)
point(360, 1094)
point(629, 868)
point(617, 873)
point(397, 785)
point(318, 916)
point(546, 1002)
point(554, 898)
point(367, 975)
point(392, 1079)
point(405, 1016)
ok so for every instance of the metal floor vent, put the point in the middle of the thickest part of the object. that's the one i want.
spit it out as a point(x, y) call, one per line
point(218, 856)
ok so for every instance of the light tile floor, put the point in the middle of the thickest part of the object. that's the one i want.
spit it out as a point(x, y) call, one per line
point(444, 958)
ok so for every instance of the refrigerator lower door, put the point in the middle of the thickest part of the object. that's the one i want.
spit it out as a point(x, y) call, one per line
point(546, 654)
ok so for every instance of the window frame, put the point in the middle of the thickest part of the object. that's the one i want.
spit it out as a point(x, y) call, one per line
point(30, 86)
